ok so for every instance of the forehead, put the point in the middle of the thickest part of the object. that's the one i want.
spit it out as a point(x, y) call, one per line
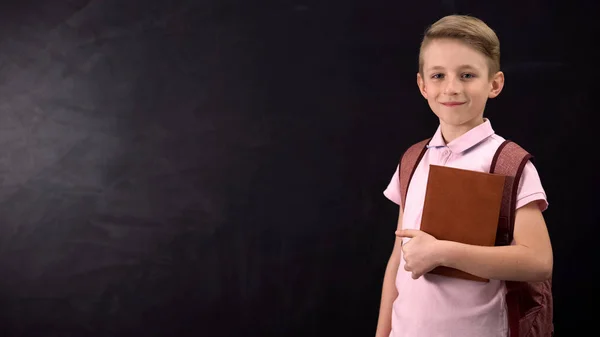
point(451, 54)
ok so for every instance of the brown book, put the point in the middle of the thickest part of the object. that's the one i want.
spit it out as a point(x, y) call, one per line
point(462, 206)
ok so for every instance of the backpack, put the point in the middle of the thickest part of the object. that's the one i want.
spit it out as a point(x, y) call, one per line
point(529, 304)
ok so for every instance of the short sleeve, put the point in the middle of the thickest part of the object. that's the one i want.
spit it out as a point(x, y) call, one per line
point(392, 191)
point(531, 189)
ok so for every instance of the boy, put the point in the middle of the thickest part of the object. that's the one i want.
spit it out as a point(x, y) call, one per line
point(459, 69)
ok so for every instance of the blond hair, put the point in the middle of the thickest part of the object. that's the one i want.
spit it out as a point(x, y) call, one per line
point(467, 29)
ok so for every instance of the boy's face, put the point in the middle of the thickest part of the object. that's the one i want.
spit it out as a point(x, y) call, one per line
point(456, 82)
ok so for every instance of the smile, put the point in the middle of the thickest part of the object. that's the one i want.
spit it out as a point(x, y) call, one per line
point(452, 104)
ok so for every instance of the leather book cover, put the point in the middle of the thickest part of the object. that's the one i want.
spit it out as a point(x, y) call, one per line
point(462, 206)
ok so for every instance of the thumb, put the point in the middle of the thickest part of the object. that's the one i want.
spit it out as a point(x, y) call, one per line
point(407, 233)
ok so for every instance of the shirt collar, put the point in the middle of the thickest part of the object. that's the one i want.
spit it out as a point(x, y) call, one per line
point(466, 141)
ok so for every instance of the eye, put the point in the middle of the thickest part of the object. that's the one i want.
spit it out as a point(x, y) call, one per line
point(437, 76)
point(468, 76)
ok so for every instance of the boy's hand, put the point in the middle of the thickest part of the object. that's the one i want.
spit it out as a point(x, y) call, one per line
point(420, 253)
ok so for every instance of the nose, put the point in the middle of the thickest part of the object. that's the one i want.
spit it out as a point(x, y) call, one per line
point(453, 86)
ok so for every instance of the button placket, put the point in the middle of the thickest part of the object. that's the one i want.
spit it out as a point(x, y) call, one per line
point(446, 153)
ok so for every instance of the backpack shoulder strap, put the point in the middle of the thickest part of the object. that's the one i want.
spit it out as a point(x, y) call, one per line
point(408, 164)
point(509, 160)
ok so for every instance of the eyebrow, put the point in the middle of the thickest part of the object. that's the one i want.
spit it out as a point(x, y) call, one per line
point(464, 66)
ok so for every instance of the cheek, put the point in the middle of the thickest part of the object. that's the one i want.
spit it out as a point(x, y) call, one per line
point(480, 95)
point(432, 90)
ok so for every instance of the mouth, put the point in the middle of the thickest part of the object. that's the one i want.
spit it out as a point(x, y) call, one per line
point(452, 104)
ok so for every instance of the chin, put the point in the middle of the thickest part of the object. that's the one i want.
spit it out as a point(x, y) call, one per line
point(450, 120)
point(455, 119)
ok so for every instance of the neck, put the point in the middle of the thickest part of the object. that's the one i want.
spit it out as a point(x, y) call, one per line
point(451, 132)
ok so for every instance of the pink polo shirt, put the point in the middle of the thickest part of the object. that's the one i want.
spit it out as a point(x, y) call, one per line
point(433, 305)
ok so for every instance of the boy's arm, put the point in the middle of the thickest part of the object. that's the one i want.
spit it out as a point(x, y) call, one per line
point(389, 291)
point(529, 259)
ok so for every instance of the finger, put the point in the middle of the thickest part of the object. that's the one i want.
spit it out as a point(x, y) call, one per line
point(406, 267)
point(408, 233)
point(415, 276)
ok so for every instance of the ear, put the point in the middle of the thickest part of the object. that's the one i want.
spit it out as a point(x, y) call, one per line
point(421, 84)
point(497, 84)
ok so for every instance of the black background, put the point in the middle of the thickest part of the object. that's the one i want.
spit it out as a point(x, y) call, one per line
point(216, 168)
